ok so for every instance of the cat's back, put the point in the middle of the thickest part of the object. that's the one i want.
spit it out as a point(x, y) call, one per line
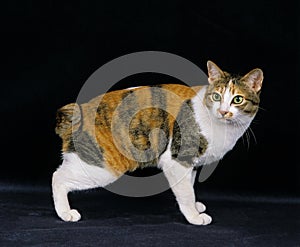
point(130, 126)
point(156, 95)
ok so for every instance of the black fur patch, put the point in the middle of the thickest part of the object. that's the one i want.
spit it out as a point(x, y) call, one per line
point(187, 143)
point(87, 149)
point(102, 118)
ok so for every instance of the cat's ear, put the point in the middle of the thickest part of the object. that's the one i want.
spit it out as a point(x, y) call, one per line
point(254, 79)
point(214, 72)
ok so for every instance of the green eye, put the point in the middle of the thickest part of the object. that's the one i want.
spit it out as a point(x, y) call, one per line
point(216, 97)
point(238, 99)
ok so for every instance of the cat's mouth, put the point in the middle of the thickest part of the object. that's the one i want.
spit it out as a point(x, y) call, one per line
point(226, 120)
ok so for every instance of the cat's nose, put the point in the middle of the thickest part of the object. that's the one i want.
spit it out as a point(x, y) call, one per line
point(223, 113)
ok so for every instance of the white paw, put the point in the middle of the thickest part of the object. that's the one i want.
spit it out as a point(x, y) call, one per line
point(200, 207)
point(71, 215)
point(200, 219)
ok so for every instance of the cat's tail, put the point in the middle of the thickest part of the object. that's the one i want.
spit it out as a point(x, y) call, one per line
point(67, 117)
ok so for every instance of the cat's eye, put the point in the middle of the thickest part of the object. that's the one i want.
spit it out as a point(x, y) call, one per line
point(238, 99)
point(216, 97)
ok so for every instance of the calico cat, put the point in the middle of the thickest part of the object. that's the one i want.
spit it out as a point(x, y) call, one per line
point(174, 127)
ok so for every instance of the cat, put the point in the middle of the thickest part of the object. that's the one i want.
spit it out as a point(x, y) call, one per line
point(118, 132)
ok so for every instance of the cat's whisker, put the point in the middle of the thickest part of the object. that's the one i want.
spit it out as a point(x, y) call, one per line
point(237, 126)
point(263, 109)
point(255, 121)
point(248, 138)
point(251, 131)
point(243, 128)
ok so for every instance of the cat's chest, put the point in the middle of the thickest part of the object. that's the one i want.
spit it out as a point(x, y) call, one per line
point(221, 139)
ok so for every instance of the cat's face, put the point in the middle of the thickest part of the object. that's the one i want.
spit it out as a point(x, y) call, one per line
point(233, 99)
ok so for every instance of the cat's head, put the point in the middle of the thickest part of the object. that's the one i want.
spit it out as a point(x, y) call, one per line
point(233, 99)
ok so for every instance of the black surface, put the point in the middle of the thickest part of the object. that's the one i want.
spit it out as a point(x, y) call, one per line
point(239, 219)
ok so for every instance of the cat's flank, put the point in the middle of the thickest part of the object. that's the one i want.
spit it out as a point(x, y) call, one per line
point(119, 132)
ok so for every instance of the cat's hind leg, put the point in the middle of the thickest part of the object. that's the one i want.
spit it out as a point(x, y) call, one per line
point(75, 174)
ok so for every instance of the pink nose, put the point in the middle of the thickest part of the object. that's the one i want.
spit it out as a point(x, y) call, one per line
point(223, 113)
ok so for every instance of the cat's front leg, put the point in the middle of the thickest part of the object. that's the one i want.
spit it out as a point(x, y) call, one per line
point(180, 179)
point(199, 205)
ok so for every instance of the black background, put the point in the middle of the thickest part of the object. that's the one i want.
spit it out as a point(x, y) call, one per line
point(50, 48)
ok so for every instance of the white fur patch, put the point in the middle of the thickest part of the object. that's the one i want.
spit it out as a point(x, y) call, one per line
point(130, 88)
point(75, 174)
point(83, 175)
point(225, 104)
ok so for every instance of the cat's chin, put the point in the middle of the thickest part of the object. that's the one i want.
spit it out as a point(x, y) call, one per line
point(225, 120)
